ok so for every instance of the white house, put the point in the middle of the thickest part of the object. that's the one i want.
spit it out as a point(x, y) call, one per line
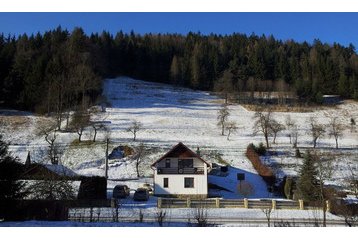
point(181, 172)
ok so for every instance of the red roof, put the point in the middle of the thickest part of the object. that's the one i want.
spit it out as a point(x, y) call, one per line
point(180, 151)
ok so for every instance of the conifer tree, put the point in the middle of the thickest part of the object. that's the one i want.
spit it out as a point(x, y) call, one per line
point(308, 185)
point(11, 187)
point(175, 70)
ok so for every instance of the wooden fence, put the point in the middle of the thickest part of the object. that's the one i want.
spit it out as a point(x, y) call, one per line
point(234, 203)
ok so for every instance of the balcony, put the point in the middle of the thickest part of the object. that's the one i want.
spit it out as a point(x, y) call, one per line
point(195, 170)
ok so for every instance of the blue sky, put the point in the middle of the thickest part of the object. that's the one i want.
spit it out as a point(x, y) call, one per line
point(328, 27)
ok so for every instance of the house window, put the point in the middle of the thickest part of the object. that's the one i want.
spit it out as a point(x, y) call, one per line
point(188, 182)
point(167, 163)
point(165, 182)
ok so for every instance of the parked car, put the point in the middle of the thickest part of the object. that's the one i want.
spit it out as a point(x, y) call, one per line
point(120, 191)
point(141, 194)
point(148, 187)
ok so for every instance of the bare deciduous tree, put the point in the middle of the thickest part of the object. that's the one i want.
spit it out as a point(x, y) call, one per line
point(86, 80)
point(335, 129)
point(324, 173)
point(267, 211)
point(140, 154)
point(275, 127)
point(134, 128)
point(96, 127)
point(51, 188)
point(80, 120)
point(160, 215)
point(48, 130)
point(230, 127)
point(225, 84)
point(349, 212)
point(294, 134)
point(223, 116)
point(316, 130)
point(262, 124)
point(201, 216)
point(289, 125)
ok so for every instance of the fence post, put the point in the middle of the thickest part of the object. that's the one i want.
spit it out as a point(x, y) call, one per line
point(188, 202)
point(273, 204)
point(246, 203)
point(159, 203)
point(217, 202)
point(113, 203)
point(301, 204)
point(328, 206)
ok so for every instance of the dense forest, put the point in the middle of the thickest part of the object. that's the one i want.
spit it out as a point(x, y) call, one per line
point(60, 70)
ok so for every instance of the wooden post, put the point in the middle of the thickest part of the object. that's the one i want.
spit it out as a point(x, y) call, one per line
point(246, 203)
point(159, 203)
point(301, 204)
point(328, 206)
point(273, 204)
point(217, 202)
point(106, 168)
point(188, 202)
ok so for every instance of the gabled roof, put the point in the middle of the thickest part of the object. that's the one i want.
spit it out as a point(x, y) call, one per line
point(181, 151)
point(45, 171)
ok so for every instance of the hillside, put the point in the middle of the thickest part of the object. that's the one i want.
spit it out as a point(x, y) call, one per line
point(169, 115)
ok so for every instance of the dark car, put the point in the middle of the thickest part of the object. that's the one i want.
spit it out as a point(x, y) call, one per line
point(120, 191)
point(141, 194)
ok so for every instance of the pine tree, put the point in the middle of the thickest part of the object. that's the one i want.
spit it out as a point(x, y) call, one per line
point(195, 68)
point(175, 70)
point(308, 185)
point(10, 171)
point(225, 85)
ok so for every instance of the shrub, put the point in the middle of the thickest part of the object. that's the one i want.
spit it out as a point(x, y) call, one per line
point(289, 187)
point(261, 149)
point(21, 210)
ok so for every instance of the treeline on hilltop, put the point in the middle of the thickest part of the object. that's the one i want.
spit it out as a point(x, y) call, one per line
point(60, 70)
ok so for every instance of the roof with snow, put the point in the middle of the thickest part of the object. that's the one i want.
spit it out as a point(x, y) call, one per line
point(43, 171)
point(61, 170)
point(180, 151)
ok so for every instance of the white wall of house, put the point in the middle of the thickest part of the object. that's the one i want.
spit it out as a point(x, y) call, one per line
point(176, 183)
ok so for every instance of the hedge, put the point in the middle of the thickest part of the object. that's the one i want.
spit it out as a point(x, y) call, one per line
point(264, 171)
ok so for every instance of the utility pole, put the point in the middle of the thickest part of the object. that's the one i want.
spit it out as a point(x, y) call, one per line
point(106, 169)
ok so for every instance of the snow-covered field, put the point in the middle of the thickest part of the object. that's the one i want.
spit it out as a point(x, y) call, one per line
point(172, 114)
